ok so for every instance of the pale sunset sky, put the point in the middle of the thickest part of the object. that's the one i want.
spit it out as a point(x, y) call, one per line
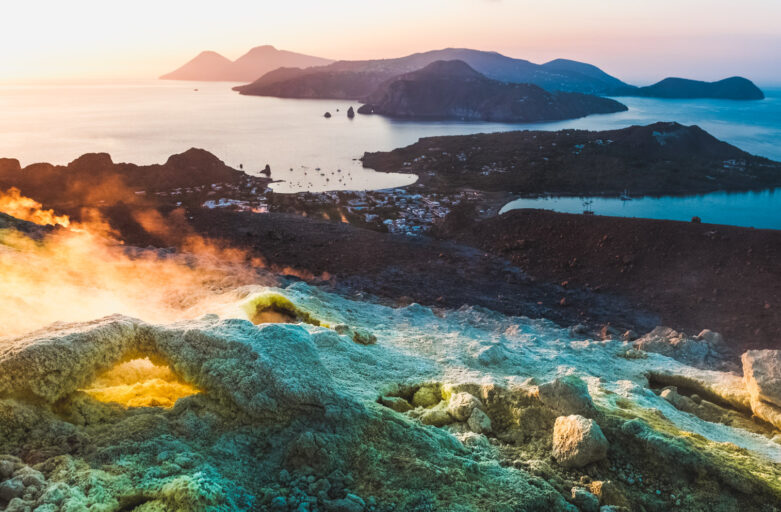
point(640, 41)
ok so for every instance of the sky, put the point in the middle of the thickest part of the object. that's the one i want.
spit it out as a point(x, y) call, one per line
point(639, 41)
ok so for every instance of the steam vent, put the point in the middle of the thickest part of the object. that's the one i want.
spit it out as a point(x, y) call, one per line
point(322, 403)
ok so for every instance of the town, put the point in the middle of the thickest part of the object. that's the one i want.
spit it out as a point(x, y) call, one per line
point(398, 210)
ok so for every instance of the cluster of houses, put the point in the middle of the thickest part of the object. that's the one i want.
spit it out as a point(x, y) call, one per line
point(398, 210)
point(243, 196)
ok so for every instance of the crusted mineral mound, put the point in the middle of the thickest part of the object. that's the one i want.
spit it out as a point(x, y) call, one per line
point(269, 429)
point(299, 399)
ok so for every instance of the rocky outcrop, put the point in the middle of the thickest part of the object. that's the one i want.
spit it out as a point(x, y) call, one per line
point(453, 90)
point(9, 165)
point(706, 350)
point(762, 375)
point(578, 441)
point(94, 178)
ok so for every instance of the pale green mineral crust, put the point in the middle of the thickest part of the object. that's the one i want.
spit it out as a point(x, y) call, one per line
point(391, 409)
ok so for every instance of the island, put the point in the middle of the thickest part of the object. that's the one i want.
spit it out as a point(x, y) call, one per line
point(663, 158)
point(453, 90)
point(734, 88)
point(356, 80)
point(211, 66)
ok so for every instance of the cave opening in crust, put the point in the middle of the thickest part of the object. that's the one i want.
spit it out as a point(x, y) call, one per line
point(277, 309)
point(140, 383)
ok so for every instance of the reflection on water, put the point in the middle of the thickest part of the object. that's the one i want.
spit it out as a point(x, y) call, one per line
point(146, 122)
point(760, 210)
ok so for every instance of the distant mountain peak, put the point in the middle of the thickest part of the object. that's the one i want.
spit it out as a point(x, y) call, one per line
point(210, 53)
point(262, 48)
point(211, 66)
point(448, 68)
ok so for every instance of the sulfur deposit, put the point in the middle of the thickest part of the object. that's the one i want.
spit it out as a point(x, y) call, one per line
point(299, 399)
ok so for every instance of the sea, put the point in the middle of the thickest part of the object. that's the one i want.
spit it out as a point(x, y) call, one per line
point(146, 122)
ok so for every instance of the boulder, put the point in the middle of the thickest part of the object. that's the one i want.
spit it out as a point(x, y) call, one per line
point(762, 375)
point(684, 403)
point(396, 403)
point(479, 422)
point(350, 113)
point(6, 469)
point(461, 406)
point(704, 350)
point(567, 395)
point(608, 493)
point(584, 500)
point(711, 337)
point(436, 416)
point(11, 489)
point(578, 441)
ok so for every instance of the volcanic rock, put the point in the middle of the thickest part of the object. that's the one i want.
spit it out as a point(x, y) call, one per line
point(396, 403)
point(578, 441)
point(462, 404)
point(436, 416)
point(479, 422)
point(762, 373)
point(584, 500)
point(567, 395)
point(706, 350)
